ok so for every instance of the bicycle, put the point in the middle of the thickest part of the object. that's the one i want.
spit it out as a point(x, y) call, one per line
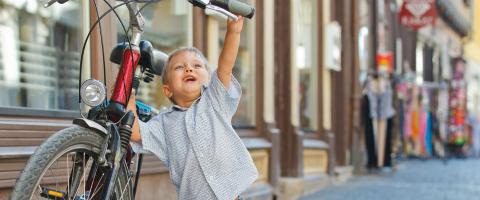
point(92, 159)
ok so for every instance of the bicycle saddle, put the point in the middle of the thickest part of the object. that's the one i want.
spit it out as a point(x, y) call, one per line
point(149, 56)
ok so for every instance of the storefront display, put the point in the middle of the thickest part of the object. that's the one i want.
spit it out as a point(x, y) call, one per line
point(457, 105)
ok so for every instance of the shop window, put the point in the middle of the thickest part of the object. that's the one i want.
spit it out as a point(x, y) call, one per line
point(244, 71)
point(40, 54)
point(168, 27)
point(305, 66)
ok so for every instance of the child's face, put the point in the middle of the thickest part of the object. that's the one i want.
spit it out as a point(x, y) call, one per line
point(187, 74)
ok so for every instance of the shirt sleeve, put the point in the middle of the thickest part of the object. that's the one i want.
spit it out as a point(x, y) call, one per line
point(152, 138)
point(224, 100)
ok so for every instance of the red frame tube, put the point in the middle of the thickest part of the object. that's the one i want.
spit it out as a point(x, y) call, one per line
point(123, 84)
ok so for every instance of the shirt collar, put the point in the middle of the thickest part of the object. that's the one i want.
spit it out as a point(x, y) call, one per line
point(175, 107)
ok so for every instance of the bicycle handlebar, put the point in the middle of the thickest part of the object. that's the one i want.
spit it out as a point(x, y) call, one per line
point(50, 2)
point(235, 7)
point(230, 6)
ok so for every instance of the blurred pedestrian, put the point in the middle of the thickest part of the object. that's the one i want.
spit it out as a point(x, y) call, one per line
point(474, 121)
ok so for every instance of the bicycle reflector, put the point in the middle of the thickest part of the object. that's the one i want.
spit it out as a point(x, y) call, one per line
point(93, 92)
point(52, 194)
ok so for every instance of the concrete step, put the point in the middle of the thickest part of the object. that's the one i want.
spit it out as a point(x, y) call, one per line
point(342, 173)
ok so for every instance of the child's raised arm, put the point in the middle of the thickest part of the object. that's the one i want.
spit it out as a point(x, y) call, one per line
point(230, 50)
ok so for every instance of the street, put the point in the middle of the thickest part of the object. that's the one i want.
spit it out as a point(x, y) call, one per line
point(425, 180)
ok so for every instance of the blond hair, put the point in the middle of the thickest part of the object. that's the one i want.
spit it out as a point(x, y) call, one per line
point(180, 50)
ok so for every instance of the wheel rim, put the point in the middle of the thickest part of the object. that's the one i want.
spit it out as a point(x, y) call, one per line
point(56, 174)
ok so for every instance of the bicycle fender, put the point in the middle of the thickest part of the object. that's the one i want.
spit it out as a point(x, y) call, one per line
point(86, 123)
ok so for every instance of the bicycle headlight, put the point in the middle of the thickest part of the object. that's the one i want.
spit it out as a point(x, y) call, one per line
point(92, 92)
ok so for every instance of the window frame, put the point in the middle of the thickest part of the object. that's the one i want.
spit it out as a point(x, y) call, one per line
point(31, 112)
point(54, 113)
point(317, 53)
point(213, 51)
point(207, 42)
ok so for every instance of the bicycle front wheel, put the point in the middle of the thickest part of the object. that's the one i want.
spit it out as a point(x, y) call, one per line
point(60, 169)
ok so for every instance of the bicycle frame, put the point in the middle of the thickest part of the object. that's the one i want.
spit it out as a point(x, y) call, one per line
point(121, 94)
point(116, 112)
point(131, 57)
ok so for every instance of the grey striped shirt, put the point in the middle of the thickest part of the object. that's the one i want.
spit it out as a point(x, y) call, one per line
point(205, 157)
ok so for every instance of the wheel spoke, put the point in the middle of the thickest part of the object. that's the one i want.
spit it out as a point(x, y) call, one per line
point(54, 157)
point(97, 187)
point(84, 169)
point(39, 191)
point(126, 185)
point(73, 165)
point(80, 181)
point(53, 176)
point(68, 178)
point(92, 181)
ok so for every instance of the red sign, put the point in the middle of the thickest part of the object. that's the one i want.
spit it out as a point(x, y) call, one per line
point(417, 13)
point(385, 62)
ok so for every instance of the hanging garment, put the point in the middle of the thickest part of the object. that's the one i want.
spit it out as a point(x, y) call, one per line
point(437, 144)
point(415, 125)
point(407, 136)
point(428, 135)
point(442, 114)
point(407, 124)
point(388, 143)
point(369, 135)
point(423, 126)
point(401, 117)
point(380, 99)
point(414, 140)
point(381, 104)
point(401, 122)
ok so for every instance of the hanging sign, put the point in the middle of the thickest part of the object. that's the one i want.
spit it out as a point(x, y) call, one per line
point(385, 62)
point(417, 13)
point(333, 42)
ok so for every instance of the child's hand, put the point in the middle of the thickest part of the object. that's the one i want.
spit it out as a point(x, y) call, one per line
point(235, 26)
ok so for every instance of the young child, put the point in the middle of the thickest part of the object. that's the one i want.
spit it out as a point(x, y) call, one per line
point(195, 138)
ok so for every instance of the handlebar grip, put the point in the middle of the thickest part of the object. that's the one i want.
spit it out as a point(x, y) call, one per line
point(236, 7)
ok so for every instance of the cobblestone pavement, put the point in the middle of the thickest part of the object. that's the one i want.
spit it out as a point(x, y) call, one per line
point(415, 180)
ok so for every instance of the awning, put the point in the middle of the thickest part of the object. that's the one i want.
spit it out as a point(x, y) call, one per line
point(453, 17)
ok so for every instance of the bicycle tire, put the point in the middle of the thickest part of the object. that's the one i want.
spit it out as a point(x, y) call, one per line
point(72, 139)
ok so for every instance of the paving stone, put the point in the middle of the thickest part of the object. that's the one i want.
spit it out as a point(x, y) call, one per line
point(458, 179)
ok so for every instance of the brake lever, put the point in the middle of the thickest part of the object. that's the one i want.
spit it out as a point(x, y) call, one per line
point(221, 11)
point(49, 3)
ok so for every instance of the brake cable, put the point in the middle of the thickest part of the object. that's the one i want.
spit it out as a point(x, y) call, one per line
point(99, 18)
point(127, 36)
point(103, 50)
point(88, 36)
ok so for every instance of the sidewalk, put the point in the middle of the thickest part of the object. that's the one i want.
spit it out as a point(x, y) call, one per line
point(425, 180)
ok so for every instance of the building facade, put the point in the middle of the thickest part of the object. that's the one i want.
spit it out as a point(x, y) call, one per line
point(300, 64)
